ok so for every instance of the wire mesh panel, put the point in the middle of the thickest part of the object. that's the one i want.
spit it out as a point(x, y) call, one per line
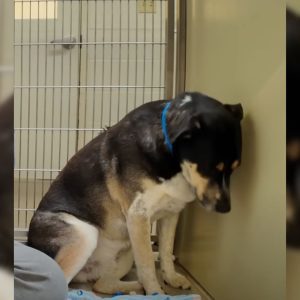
point(80, 65)
point(122, 65)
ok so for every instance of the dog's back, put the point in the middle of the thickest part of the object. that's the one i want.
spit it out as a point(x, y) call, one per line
point(119, 157)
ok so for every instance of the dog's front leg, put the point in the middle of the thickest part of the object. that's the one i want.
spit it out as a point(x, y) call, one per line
point(138, 223)
point(167, 229)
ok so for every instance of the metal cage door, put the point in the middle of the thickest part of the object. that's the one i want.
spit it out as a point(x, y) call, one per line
point(81, 65)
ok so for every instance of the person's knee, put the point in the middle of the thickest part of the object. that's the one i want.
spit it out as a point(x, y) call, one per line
point(37, 276)
point(56, 285)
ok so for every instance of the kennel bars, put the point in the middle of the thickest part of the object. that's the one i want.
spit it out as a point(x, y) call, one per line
point(82, 65)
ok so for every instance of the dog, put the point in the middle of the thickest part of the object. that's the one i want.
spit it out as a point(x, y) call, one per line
point(95, 219)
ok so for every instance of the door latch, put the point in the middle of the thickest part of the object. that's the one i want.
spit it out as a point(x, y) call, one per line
point(67, 43)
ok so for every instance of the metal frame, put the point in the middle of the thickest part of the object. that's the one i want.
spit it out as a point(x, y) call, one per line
point(169, 61)
point(181, 46)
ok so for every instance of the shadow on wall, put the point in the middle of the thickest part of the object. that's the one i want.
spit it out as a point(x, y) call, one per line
point(245, 176)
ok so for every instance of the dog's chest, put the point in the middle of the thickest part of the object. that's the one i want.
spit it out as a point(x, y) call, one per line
point(164, 198)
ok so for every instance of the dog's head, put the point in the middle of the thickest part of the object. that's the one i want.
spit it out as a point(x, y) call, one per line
point(206, 138)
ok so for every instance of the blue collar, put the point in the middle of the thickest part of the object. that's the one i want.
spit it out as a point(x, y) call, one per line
point(164, 127)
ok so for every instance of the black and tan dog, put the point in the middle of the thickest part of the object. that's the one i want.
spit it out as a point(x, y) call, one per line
point(95, 219)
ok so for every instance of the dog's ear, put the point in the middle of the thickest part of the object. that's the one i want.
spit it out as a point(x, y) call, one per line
point(236, 110)
point(183, 126)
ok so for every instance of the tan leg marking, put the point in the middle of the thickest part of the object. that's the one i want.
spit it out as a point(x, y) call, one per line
point(167, 229)
point(73, 256)
point(118, 193)
point(139, 232)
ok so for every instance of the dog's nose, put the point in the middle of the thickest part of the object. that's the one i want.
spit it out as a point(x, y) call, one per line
point(223, 207)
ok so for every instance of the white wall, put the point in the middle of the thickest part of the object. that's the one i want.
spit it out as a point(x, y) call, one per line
point(236, 53)
point(294, 4)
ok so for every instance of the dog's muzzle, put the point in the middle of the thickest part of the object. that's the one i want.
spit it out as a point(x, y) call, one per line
point(220, 205)
point(207, 203)
point(223, 206)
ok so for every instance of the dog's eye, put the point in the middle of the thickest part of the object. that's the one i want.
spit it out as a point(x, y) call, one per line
point(220, 166)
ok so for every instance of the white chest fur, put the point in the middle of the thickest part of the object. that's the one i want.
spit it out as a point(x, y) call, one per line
point(168, 197)
point(113, 253)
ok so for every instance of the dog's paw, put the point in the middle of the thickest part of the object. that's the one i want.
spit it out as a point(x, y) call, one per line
point(153, 289)
point(176, 280)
